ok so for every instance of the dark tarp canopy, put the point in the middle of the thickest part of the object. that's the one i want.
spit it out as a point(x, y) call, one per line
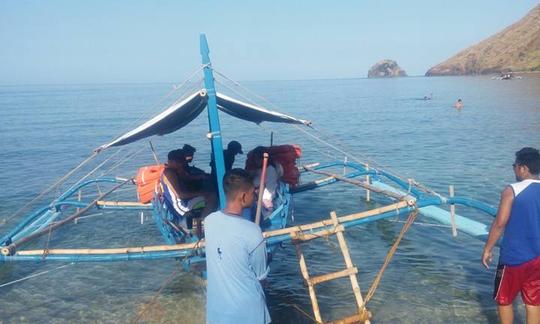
point(182, 113)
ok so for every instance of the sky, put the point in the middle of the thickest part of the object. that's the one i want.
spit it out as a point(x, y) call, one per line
point(98, 41)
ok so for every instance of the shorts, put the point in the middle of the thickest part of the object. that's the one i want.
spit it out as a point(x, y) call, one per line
point(524, 278)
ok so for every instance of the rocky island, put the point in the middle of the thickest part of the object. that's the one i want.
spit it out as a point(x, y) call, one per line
point(516, 48)
point(386, 69)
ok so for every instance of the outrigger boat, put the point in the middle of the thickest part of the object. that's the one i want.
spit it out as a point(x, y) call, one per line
point(404, 196)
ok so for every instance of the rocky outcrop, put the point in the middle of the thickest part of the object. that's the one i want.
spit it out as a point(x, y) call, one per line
point(386, 69)
point(516, 48)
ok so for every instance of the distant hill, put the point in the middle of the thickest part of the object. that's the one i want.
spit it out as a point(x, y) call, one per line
point(516, 48)
point(386, 69)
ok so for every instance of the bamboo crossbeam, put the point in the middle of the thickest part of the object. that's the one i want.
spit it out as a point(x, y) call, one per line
point(331, 276)
point(105, 203)
point(139, 249)
point(8, 250)
point(186, 246)
point(363, 185)
point(301, 236)
point(342, 219)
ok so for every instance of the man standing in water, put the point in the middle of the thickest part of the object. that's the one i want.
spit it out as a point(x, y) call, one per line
point(519, 261)
point(235, 258)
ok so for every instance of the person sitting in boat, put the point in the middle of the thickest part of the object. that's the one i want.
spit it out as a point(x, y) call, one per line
point(189, 153)
point(273, 174)
point(178, 187)
point(196, 179)
point(229, 154)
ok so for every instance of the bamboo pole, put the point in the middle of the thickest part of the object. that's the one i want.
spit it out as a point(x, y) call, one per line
point(301, 236)
point(261, 189)
point(8, 250)
point(311, 288)
point(105, 203)
point(452, 212)
point(368, 193)
point(79, 197)
point(186, 246)
point(348, 263)
point(139, 249)
point(342, 219)
point(364, 185)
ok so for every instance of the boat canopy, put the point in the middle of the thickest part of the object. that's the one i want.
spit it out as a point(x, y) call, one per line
point(182, 113)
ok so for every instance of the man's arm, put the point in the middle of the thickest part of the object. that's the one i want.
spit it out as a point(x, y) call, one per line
point(497, 228)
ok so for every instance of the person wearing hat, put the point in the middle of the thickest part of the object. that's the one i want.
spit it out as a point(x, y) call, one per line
point(229, 154)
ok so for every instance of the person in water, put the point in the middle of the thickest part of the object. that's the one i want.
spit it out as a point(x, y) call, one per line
point(235, 258)
point(518, 217)
point(458, 104)
point(177, 178)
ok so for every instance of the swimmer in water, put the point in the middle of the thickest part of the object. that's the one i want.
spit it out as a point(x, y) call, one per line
point(458, 104)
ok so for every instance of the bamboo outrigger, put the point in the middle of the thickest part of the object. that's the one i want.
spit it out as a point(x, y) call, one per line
point(402, 197)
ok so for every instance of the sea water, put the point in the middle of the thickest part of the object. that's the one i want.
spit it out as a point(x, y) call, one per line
point(47, 130)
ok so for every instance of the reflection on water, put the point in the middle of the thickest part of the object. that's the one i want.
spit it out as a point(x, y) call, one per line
point(433, 277)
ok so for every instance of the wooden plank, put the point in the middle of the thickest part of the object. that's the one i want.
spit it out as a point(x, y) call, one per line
point(311, 288)
point(302, 236)
point(334, 275)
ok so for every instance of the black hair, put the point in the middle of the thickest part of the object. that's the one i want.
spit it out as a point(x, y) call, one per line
point(189, 150)
point(529, 157)
point(176, 155)
point(235, 181)
point(258, 155)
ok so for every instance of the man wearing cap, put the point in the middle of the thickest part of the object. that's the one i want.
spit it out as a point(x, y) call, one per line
point(229, 154)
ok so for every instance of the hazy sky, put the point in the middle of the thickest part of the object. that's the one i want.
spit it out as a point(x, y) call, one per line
point(146, 41)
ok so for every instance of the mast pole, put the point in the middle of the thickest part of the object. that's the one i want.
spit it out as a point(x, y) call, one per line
point(213, 119)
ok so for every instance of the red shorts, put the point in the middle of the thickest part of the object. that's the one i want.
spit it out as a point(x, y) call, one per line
point(510, 280)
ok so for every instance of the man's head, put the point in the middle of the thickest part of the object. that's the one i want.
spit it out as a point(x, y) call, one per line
point(527, 163)
point(189, 151)
point(235, 147)
point(176, 158)
point(238, 187)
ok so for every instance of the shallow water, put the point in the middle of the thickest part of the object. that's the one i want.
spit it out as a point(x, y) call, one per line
point(47, 130)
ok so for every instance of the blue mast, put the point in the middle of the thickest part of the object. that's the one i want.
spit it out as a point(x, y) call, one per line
point(213, 119)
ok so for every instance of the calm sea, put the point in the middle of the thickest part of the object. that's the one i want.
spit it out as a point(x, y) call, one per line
point(47, 130)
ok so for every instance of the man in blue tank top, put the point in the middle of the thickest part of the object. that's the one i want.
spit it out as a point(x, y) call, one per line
point(235, 258)
point(519, 258)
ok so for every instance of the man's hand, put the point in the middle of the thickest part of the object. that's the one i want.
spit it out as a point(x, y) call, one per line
point(487, 257)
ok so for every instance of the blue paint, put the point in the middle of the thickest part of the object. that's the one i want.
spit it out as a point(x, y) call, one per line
point(213, 119)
